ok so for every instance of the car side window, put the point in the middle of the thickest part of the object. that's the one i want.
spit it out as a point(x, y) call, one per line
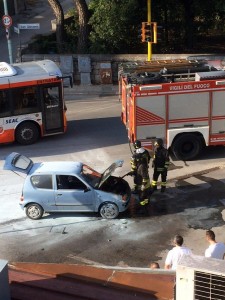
point(68, 182)
point(42, 181)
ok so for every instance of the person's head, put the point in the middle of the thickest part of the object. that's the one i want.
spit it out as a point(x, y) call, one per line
point(137, 144)
point(70, 178)
point(154, 265)
point(178, 240)
point(158, 143)
point(210, 235)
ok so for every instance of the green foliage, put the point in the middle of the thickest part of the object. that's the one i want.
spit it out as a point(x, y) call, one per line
point(71, 30)
point(42, 44)
point(115, 26)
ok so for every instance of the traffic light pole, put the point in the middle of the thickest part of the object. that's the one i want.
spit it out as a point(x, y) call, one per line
point(8, 34)
point(149, 20)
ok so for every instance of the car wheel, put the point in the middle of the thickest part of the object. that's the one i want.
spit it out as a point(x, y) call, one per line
point(34, 211)
point(27, 133)
point(187, 146)
point(109, 211)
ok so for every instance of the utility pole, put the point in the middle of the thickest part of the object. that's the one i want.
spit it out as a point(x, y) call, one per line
point(7, 24)
point(149, 20)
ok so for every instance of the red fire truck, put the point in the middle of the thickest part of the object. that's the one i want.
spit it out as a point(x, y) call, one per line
point(182, 102)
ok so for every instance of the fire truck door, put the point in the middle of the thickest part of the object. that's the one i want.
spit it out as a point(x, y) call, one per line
point(218, 113)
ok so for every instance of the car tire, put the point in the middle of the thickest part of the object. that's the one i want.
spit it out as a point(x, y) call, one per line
point(187, 146)
point(27, 133)
point(109, 211)
point(34, 211)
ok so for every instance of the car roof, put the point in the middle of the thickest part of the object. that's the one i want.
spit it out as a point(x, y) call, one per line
point(57, 167)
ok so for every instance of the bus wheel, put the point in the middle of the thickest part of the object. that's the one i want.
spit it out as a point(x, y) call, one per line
point(27, 133)
point(187, 146)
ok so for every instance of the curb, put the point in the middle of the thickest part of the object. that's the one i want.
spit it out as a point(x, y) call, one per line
point(101, 90)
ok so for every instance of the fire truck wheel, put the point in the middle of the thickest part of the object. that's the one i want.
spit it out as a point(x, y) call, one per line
point(27, 133)
point(187, 146)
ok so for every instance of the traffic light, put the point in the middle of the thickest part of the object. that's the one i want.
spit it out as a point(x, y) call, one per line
point(142, 32)
point(149, 32)
point(159, 33)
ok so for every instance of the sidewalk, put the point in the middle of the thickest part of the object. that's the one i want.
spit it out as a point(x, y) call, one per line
point(100, 90)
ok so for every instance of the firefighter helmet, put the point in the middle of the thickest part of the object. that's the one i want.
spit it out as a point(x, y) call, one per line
point(137, 144)
point(159, 143)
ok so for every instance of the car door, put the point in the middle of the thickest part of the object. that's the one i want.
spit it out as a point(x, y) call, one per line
point(72, 194)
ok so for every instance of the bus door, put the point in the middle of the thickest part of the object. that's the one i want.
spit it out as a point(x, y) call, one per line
point(53, 119)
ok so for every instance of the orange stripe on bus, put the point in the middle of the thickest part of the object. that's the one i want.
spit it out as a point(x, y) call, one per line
point(33, 82)
point(7, 136)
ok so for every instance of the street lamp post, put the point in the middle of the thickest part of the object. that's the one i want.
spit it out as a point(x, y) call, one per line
point(8, 33)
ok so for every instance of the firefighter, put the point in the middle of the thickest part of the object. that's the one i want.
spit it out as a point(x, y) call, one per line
point(133, 172)
point(160, 164)
point(140, 150)
point(139, 169)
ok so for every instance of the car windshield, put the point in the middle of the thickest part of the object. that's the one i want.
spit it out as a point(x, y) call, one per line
point(91, 176)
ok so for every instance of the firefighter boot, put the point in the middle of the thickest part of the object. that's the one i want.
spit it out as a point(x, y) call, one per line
point(163, 188)
point(154, 188)
point(144, 207)
point(144, 202)
point(154, 185)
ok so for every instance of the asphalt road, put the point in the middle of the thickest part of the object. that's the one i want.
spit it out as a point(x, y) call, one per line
point(193, 203)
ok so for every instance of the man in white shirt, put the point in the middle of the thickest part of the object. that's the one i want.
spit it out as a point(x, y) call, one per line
point(175, 255)
point(215, 250)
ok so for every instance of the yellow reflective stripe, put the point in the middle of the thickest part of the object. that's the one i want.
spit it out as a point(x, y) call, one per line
point(143, 202)
point(145, 180)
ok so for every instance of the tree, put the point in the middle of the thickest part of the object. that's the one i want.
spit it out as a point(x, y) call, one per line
point(83, 29)
point(59, 15)
point(115, 25)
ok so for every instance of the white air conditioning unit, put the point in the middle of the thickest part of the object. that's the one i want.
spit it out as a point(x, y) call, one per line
point(4, 280)
point(200, 278)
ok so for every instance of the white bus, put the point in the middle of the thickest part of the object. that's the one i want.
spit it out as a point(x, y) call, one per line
point(31, 101)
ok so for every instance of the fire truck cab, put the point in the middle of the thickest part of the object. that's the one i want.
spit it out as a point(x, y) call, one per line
point(181, 101)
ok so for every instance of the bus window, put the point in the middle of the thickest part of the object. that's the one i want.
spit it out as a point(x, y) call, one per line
point(51, 96)
point(4, 104)
point(25, 100)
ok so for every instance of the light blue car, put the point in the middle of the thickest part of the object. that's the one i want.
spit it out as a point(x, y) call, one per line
point(64, 186)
